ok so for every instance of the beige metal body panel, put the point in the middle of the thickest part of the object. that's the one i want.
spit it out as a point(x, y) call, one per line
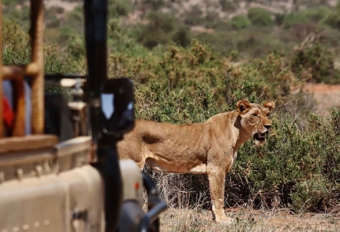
point(73, 153)
point(86, 194)
point(55, 190)
point(47, 203)
point(65, 156)
point(34, 204)
point(133, 181)
point(21, 165)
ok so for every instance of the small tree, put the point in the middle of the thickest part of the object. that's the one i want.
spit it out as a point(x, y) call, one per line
point(239, 22)
point(260, 17)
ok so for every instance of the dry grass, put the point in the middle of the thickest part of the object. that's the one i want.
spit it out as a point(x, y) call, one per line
point(185, 216)
point(248, 220)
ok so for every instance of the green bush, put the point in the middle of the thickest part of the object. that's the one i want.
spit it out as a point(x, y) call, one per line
point(312, 61)
point(292, 19)
point(16, 51)
point(9, 3)
point(270, 78)
point(56, 61)
point(315, 15)
point(181, 36)
point(314, 194)
point(66, 33)
point(239, 22)
point(260, 17)
point(162, 29)
point(21, 17)
point(15, 43)
point(250, 43)
point(293, 165)
point(119, 8)
point(196, 67)
point(306, 16)
point(332, 20)
point(75, 19)
point(123, 41)
point(63, 30)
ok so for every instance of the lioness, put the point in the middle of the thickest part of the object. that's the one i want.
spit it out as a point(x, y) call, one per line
point(209, 147)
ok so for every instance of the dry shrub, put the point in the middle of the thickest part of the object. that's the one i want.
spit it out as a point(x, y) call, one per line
point(182, 190)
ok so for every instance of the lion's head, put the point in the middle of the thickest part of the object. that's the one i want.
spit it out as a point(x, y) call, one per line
point(255, 119)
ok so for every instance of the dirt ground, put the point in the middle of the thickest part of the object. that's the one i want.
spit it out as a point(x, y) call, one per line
point(248, 220)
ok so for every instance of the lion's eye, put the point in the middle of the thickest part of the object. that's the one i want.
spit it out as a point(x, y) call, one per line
point(255, 115)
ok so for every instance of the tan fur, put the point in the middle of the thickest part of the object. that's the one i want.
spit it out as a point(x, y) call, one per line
point(202, 148)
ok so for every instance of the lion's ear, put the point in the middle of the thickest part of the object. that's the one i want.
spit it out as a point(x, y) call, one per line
point(243, 106)
point(270, 105)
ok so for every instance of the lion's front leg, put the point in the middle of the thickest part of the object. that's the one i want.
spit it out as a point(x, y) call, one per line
point(216, 177)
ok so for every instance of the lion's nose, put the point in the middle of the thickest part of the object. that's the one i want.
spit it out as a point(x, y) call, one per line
point(268, 127)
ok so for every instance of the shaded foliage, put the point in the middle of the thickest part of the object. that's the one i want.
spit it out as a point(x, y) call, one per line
point(239, 22)
point(260, 17)
point(161, 29)
point(312, 61)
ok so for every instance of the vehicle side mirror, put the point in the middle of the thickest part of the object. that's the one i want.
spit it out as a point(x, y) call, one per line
point(117, 105)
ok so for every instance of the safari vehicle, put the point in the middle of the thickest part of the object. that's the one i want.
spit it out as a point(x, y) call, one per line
point(59, 169)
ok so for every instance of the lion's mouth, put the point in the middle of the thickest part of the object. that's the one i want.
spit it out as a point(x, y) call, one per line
point(259, 138)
